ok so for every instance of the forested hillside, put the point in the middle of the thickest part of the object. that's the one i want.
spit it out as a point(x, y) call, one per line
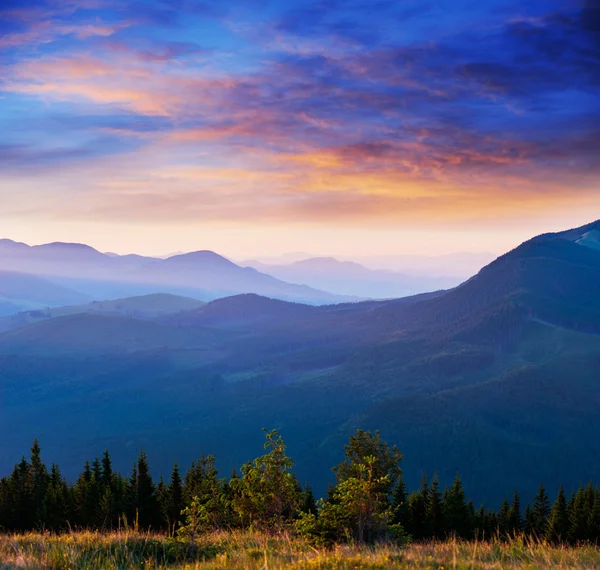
point(496, 379)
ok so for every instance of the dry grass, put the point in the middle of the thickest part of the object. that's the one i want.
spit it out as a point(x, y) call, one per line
point(254, 551)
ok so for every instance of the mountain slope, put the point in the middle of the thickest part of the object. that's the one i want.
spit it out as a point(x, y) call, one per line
point(349, 278)
point(143, 307)
point(21, 291)
point(202, 274)
point(497, 378)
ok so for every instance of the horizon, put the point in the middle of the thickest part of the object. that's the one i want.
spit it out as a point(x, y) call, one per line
point(259, 130)
point(292, 256)
point(514, 241)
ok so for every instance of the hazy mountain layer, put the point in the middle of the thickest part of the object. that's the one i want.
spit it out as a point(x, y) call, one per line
point(203, 274)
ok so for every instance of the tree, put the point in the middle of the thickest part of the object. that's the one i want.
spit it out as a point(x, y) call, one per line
point(540, 513)
point(400, 504)
point(146, 504)
point(358, 508)
point(558, 522)
point(174, 504)
point(456, 514)
point(40, 480)
point(418, 524)
point(434, 510)
point(515, 517)
point(504, 519)
point(386, 468)
point(267, 494)
point(579, 516)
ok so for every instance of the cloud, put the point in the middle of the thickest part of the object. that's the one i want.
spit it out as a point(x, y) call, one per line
point(362, 124)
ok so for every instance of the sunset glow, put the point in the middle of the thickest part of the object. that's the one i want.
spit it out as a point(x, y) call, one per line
point(330, 127)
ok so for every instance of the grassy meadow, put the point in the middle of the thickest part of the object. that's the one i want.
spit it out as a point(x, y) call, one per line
point(256, 551)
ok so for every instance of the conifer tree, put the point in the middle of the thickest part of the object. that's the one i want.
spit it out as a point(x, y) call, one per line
point(594, 518)
point(434, 510)
point(418, 502)
point(504, 519)
point(57, 500)
point(309, 503)
point(39, 474)
point(515, 517)
point(175, 500)
point(106, 476)
point(579, 516)
point(147, 510)
point(400, 504)
point(558, 522)
point(456, 514)
point(540, 513)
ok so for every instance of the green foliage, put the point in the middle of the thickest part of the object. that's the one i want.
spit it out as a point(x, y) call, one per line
point(267, 493)
point(557, 528)
point(368, 504)
point(359, 508)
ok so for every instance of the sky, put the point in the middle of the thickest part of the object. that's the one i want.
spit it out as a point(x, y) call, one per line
point(261, 127)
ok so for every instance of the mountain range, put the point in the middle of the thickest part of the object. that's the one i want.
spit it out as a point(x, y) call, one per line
point(81, 269)
point(496, 378)
point(353, 279)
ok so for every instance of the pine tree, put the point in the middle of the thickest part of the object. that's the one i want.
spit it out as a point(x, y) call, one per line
point(400, 504)
point(175, 502)
point(558, 522)
point(504, 519)
point(309, 503)
point(594, 518)
point(418, 503)
point(57, 501)
point(107, 472)
point(541, 512)
point(515, 518)
point(145, 494)
point(579, 515)
point(434, 510)
point(456, 514)
point(40, 480)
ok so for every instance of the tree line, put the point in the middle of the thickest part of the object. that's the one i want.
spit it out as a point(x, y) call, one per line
point(368, 502)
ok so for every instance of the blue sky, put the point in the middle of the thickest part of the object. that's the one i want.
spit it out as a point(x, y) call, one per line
point(334, 126)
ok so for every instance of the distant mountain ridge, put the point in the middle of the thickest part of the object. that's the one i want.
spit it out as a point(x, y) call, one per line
point(202, 274)
point(351, 278)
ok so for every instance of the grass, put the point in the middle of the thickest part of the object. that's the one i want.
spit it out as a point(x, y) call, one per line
point(255, 551)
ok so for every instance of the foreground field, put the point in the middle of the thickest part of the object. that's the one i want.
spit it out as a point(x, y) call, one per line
point(251, 551)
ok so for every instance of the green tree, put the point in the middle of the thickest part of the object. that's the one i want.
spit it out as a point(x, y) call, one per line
point(267, 494)
point(579, 516)
point(558, 522)
point(456, 513)
point(174, 505)
point(359, 507)
point(540, 512)
point(386, 469)
point(146, 503)
point(515, 517)
point(434, 509)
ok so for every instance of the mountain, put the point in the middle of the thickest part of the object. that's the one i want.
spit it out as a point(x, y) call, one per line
point(213, 272)
point(203, 274)
point(496, 378)
point(350, 278)
point(19, 291)
point(143, 307)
